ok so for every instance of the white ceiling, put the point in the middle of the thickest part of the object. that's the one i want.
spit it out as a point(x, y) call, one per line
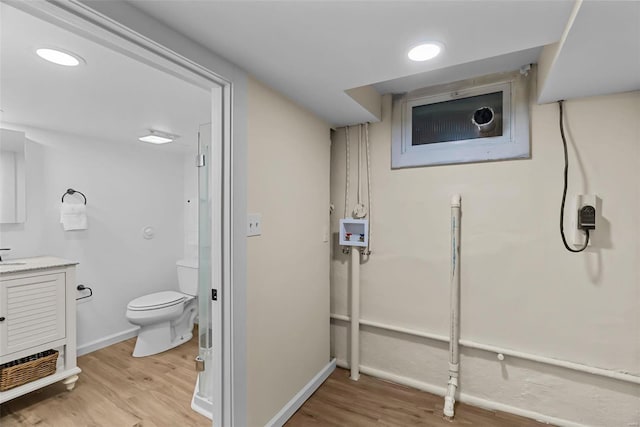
point(601, 53)
point(508, 62)
point(313, 51)
point(111, 97)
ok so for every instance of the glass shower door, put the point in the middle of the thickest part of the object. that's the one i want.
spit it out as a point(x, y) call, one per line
point(204, 393)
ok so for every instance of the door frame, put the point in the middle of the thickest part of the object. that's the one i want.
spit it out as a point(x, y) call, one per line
point(229, 408)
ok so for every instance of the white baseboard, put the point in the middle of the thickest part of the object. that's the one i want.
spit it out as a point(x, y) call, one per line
point(107, 341)
point(463, 397)
point(296, 402)
point(200, 405)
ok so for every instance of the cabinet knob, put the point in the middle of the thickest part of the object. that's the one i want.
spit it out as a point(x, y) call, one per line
point(2, 319)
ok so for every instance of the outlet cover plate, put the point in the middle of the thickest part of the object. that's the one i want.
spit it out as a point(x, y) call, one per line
point(580, 201)
point(254, 224)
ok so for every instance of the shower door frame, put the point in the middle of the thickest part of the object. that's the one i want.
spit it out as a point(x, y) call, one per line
point(229, 406)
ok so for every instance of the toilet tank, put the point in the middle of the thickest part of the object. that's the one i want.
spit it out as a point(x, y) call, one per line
point(188, 276)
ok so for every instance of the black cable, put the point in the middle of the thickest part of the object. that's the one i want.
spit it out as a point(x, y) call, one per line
point(564, 191)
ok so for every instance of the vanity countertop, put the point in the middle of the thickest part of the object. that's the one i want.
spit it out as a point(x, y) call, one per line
point(35, 263)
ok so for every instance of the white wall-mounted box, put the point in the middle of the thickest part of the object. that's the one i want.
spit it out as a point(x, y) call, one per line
point(354, 232)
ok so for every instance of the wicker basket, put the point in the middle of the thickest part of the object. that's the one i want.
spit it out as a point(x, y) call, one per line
point(27, 369)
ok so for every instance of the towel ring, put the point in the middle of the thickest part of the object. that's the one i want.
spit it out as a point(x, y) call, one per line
point(72, 191)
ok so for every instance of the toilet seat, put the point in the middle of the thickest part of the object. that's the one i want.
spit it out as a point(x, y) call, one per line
point(156, 301)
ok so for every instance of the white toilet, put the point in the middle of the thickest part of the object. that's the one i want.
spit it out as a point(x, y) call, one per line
point(166, 318)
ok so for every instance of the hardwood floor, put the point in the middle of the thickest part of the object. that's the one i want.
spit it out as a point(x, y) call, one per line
point(117, 390)
point(373, 402)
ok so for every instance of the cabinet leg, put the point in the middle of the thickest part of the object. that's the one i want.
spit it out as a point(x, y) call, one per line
point(70, 382)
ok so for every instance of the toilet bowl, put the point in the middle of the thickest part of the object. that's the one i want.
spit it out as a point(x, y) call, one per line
point(166, 318)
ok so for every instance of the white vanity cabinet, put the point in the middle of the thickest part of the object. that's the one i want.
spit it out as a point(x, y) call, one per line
point(38, 313)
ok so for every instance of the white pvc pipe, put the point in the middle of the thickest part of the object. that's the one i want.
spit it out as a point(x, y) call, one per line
point(355, 314)
point(616, 375)
point(454, 350)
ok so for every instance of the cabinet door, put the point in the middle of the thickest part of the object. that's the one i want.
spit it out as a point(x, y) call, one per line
point(34, 311)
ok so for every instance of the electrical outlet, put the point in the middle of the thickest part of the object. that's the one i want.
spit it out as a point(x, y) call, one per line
point(582, 200)
point(254, 224)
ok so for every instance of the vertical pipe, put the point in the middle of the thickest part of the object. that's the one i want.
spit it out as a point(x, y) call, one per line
point(355, 314)
point(455, 279)
point(454, 355)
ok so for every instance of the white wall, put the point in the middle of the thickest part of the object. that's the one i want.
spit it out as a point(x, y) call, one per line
point(128, 186)
point(288, 265)
point(520, 288)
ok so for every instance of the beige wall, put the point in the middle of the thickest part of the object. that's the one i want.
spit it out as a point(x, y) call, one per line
point(288, 265)
point(520, 288)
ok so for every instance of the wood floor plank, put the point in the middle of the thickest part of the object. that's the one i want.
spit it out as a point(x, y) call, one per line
point(376, 403)
point(116, 390)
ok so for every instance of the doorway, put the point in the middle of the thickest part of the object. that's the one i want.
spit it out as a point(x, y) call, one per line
point(214, 195)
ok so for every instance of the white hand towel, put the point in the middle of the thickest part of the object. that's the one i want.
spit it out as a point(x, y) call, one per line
point(73, 216)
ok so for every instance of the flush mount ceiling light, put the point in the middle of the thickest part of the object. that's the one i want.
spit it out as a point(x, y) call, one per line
point(59, 57)
point(425, 51)
point(157, 137)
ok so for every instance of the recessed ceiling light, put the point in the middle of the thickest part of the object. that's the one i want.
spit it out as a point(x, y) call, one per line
point(424, 52)
point(59, 57)
point(157, 137)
